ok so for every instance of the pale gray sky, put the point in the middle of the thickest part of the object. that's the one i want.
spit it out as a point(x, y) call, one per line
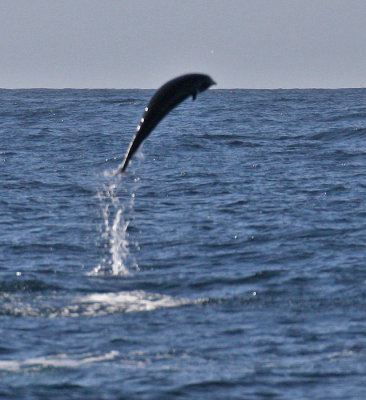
point(143, 43)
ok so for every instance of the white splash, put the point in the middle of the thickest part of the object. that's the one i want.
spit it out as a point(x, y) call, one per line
point(117, 215)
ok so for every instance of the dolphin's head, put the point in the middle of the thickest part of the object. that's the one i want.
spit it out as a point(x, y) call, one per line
point(205, 82)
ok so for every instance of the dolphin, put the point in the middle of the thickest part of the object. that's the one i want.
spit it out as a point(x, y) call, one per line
point(163, 101)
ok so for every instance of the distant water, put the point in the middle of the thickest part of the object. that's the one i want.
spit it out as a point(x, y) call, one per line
point(228, 263)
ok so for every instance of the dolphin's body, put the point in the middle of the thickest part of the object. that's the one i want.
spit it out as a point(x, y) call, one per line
point(164, 100)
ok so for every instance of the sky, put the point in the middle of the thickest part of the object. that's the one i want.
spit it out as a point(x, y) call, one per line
point(143, 43)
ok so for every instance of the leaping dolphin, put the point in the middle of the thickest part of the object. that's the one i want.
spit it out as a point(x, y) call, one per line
point(164, 100)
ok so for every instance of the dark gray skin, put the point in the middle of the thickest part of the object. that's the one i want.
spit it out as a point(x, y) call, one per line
point(164, 100)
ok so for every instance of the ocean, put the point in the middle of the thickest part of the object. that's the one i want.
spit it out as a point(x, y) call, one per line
point(227, 263)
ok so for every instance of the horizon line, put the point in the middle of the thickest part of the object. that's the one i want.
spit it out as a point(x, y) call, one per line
point(216, 88)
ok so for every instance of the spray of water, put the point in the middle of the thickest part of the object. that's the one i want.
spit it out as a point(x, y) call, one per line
point(117, 212)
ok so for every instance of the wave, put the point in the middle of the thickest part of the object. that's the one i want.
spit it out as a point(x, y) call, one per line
point(340, 134)
point(93, 305)
point(30, 285)
point(129, 100)
point(133, 301)
point(56, 361)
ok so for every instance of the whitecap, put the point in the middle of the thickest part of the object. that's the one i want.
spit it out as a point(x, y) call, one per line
point(128, 301)
point(56, 361)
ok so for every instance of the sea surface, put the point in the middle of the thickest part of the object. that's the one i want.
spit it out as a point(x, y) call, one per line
point(229, 262)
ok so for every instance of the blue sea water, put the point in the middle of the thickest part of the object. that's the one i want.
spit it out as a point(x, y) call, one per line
point(228, 263)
